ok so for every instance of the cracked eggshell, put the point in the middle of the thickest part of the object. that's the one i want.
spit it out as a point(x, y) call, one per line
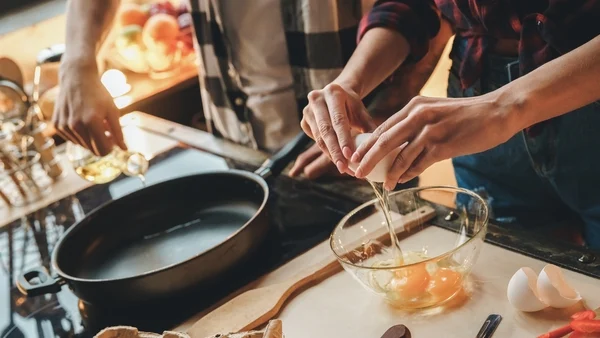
point(554, 290)
point(522, 291)
point(380, 171)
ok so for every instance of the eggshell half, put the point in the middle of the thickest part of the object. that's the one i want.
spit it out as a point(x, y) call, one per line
point(380, 171)
point(522, 291)
point(554, 290)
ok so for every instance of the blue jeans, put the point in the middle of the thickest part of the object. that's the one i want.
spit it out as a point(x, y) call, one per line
point(543, 182)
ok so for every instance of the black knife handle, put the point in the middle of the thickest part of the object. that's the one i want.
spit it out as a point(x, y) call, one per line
point(489, 326)
point(398, 331)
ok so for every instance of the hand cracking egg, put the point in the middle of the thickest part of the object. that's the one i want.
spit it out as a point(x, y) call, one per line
point(381, 169)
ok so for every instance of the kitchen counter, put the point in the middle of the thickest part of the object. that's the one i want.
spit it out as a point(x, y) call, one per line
point(340, 300)
point(343, 195)
point(339, 307)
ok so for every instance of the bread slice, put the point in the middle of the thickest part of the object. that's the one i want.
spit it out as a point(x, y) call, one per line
point(273, 330)
point(118, 332)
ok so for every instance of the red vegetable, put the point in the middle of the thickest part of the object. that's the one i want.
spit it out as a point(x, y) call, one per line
point(187, 40)
point(183, 8)
point(588, 314)
point(586, 325)
point(576, 334)
point(557, 333)
point(165, 7)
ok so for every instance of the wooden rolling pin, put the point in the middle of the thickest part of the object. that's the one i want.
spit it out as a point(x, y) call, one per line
point(256, 307)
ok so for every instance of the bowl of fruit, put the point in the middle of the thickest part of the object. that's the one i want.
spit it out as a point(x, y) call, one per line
point(153, 38)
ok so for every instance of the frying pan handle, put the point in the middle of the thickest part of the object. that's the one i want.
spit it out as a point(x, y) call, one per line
point(37, 282)
point(276, 164)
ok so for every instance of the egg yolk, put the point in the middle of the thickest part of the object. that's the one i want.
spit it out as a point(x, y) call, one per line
point(410, 282)
point(444, 283)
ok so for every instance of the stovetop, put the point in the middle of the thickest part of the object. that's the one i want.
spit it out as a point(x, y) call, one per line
point(300, 217)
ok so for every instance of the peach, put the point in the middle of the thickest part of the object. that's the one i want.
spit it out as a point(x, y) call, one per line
point(132, 14)
point(161, 28)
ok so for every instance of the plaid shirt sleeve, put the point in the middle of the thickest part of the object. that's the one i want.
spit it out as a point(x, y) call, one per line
point(417, 20)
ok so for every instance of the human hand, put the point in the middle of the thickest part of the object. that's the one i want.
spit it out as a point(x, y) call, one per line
point(85, 112)
point(313, 163)
point(435, 129)
point(328, 119)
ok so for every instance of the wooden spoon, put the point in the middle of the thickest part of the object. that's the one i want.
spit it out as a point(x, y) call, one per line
point(255, 307)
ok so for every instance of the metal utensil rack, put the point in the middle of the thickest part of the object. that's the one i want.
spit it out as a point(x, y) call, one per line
point(28, 160)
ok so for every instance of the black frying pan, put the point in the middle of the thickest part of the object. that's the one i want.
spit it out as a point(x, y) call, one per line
point(165, 239)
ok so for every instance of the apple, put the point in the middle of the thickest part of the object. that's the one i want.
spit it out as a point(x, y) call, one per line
point(186, 45)
point(182, 8)
point(186, 48)
point(160, 28)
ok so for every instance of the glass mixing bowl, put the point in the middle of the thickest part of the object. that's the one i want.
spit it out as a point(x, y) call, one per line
point(435, 261)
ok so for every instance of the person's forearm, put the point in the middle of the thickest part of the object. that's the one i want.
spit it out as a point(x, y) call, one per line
point(558, 87)
point(380, 52)
point(88, 22)
point(409, 80)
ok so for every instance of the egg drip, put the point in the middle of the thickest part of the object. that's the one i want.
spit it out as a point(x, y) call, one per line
point(408, 279)
point(384, 201)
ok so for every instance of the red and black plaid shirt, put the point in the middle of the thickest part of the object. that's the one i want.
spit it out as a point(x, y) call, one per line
point(545, 29)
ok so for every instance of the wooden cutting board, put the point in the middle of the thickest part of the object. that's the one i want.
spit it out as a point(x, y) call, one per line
point(340, 307)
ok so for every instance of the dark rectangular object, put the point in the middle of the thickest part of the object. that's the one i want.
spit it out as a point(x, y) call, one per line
point(10, 5)
point(567, 256)
point(489, 326)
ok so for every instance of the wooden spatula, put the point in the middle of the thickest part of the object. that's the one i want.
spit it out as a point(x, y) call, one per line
point(255, 307)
